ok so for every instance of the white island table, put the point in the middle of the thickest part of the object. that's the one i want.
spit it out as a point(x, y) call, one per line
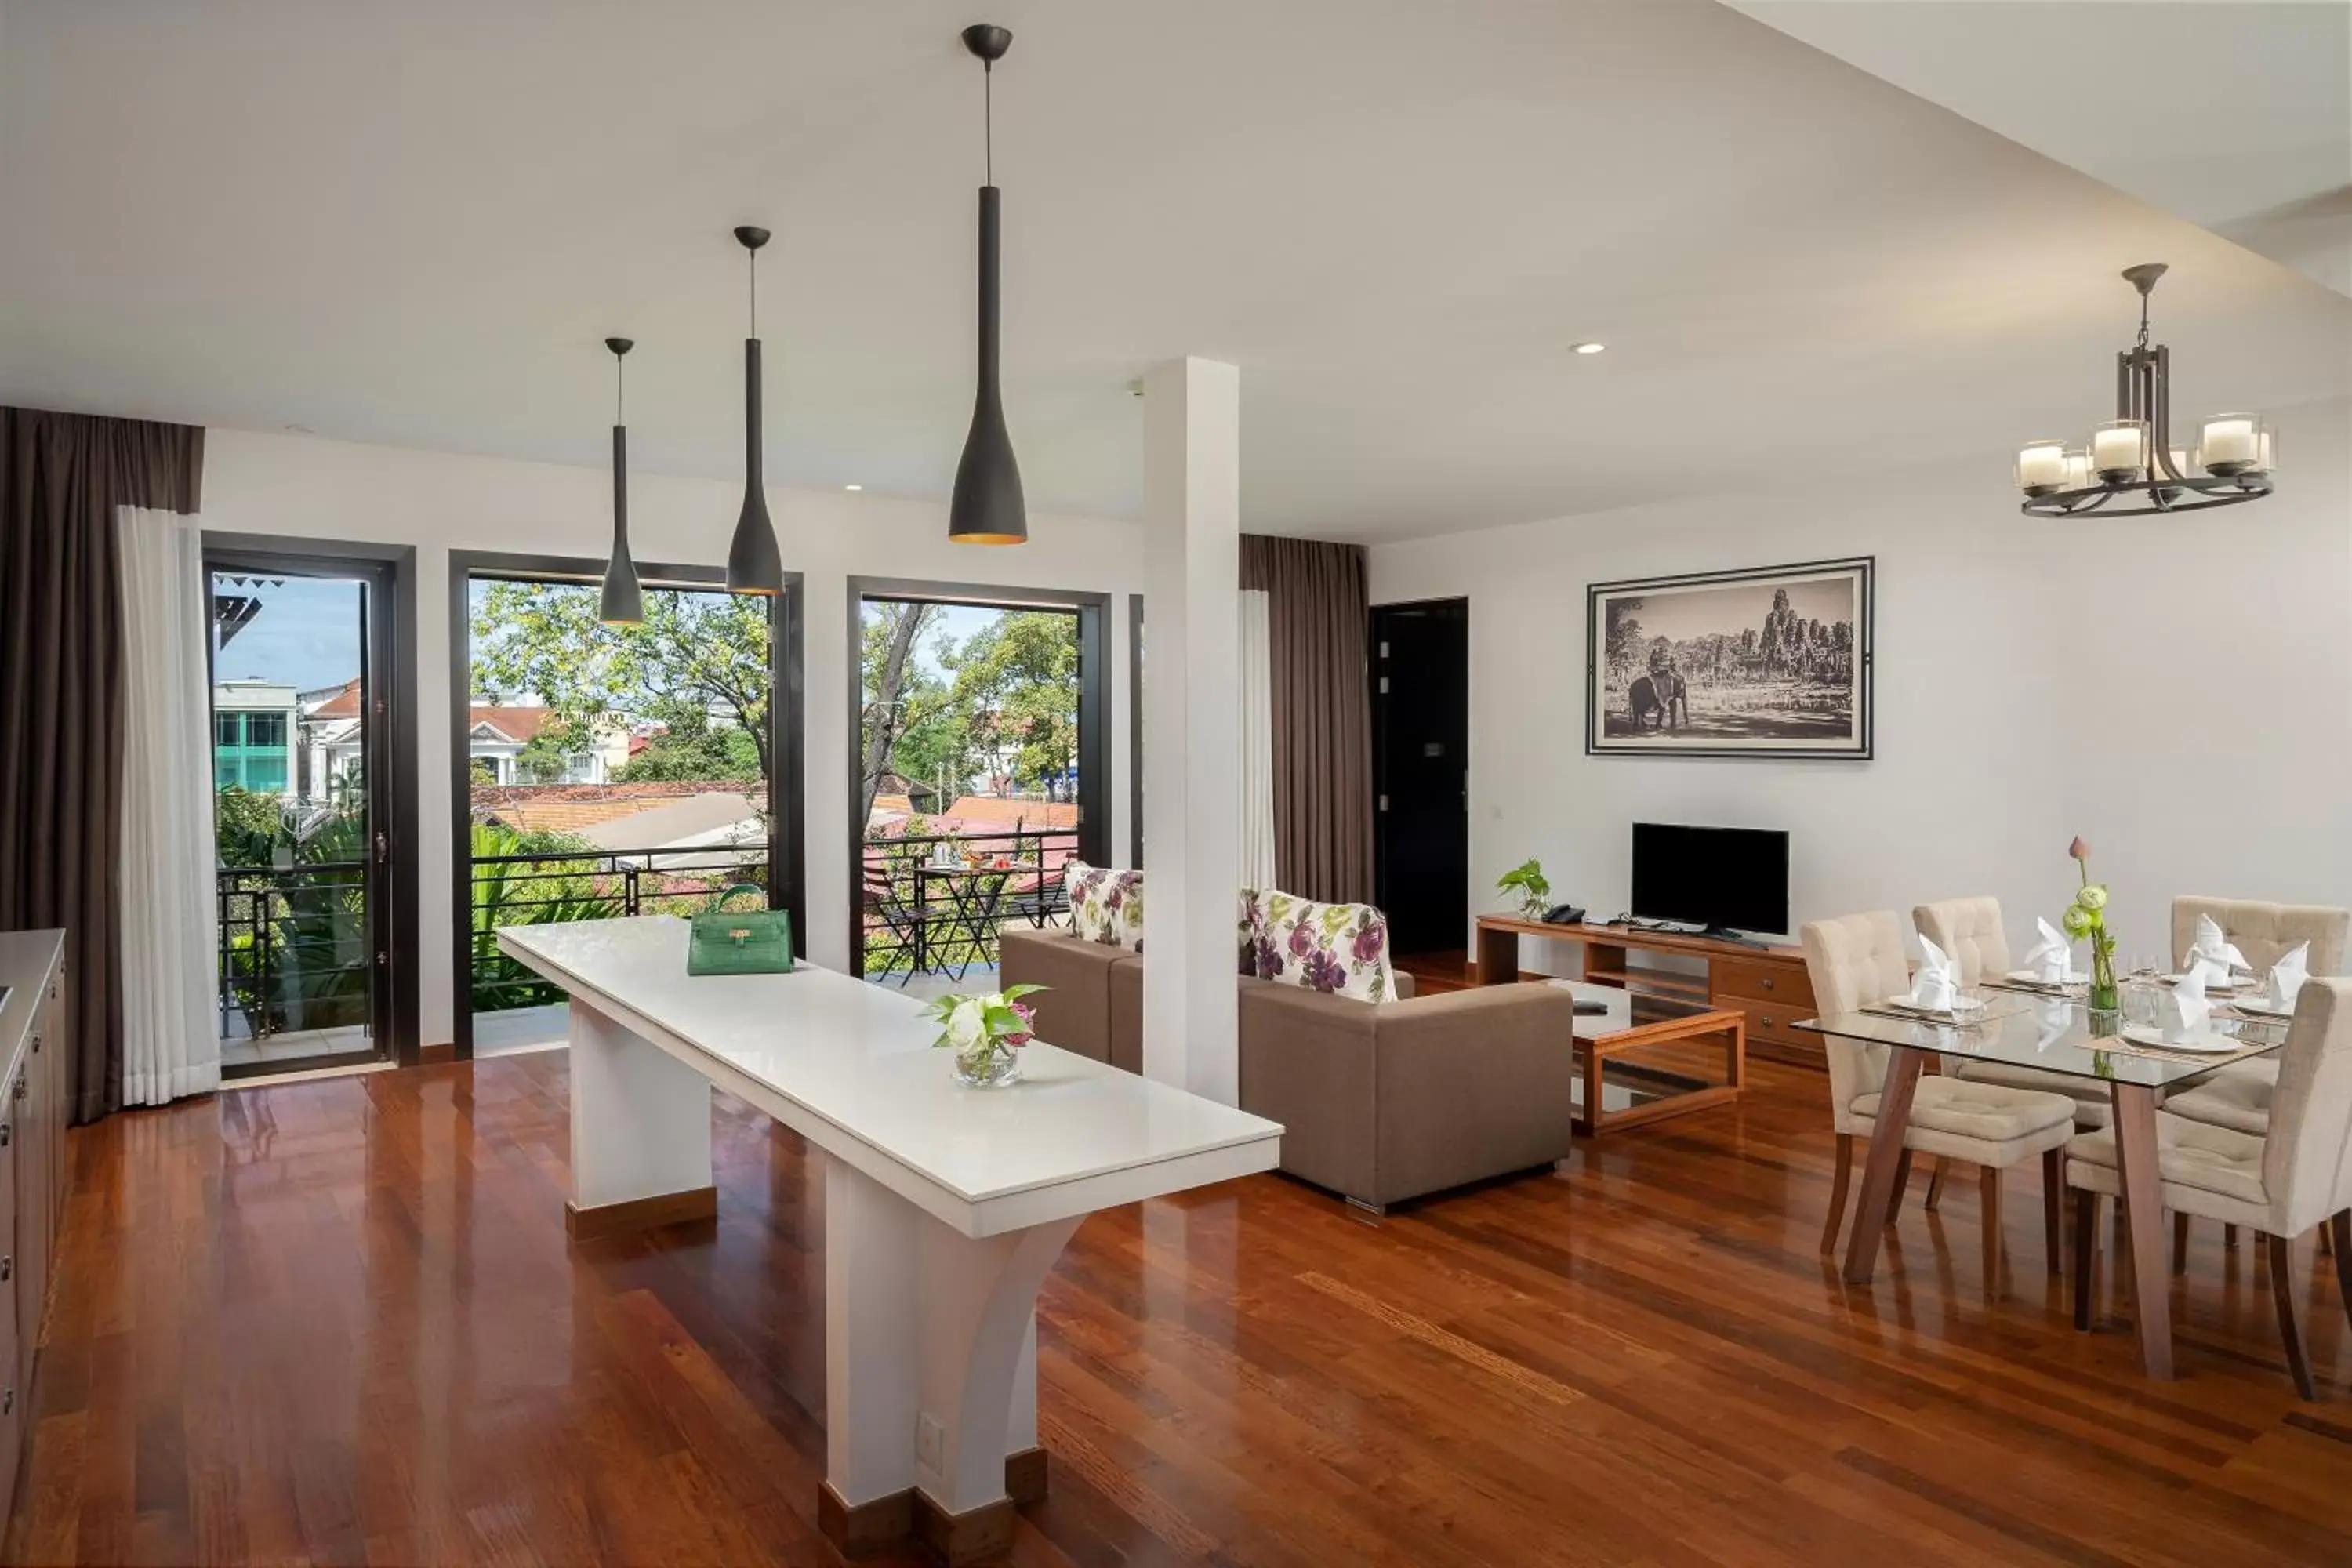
point(944, 1206)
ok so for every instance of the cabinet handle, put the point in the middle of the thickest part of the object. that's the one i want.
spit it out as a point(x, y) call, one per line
point(3, 1134)
point(36, 1042)
point(8, 1402)
point(1768, 983)
point(7, 1267)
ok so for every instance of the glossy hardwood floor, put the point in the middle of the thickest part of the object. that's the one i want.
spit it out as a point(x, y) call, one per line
point(339, 1323)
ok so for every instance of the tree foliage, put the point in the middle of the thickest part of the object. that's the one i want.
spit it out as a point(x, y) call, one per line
point(1016, 685)
point(696, 653)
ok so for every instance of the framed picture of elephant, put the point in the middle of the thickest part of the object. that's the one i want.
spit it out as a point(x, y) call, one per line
point(1770, 662)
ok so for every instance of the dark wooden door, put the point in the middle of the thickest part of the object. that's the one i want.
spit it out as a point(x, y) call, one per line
point(1421, 772)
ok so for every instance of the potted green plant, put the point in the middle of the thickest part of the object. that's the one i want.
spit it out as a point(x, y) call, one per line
point(1527, 880)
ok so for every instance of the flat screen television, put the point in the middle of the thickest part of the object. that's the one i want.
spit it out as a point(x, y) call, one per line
point(1725, 880)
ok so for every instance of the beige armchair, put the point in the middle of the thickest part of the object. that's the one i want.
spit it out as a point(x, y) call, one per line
point(2293, 1176)
point(1970, 930)
point(2238, 1096)
point(1858, 961)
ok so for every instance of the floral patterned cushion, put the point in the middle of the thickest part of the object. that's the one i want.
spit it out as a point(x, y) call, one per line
point(1340, 950)
point(1105, 904)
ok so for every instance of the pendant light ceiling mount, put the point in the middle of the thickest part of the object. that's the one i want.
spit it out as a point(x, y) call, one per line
point(754, 565)
point(621, 603)
point(987, 506)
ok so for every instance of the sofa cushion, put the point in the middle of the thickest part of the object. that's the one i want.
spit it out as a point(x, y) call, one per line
point(1105, 904)
point(1339, 950)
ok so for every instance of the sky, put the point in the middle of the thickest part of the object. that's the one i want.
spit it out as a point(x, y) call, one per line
point(1734, 606)
point(307, 635)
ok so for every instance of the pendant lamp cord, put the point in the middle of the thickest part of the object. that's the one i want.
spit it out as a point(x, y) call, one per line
point(620, 370)
point(988, 120)
point(2143, 320)
point(755, 294)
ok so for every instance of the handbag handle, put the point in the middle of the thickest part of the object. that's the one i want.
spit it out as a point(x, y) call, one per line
point(751, 887)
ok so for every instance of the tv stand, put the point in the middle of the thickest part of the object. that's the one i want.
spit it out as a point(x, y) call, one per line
point(1766, 981)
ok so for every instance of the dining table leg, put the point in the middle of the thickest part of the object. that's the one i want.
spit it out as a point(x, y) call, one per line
point(2143, 1206)
point(1886, 1135)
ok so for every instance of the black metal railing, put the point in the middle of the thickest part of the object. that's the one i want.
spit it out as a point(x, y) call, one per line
point(293, 947)
point(937, 902)
point(551, 886)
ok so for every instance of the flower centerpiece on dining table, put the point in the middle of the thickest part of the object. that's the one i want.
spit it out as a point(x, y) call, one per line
point(2086, 918)
point(986, 1033)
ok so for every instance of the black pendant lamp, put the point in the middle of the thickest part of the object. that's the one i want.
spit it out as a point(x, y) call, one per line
point(623, 604)
point(987, 508)
point(752, 565)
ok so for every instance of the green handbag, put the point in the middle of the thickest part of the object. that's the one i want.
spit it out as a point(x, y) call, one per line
point(739, 942)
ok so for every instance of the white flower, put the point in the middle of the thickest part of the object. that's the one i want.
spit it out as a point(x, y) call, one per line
point(967, 1024)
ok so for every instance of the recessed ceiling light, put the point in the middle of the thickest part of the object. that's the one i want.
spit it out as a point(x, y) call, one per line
point(1588, 348)
point(853, 487)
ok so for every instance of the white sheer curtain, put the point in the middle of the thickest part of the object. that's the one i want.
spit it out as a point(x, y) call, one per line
point(1257, 741)
point(170, 1046)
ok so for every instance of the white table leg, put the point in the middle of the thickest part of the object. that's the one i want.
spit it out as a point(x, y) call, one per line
point(640, 1130)
point(930, 1369)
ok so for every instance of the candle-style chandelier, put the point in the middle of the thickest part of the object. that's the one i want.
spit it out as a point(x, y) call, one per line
point(2131, 458)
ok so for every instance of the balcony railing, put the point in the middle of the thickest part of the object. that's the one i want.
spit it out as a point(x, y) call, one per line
point(937, 902)
point(545, 888)
point(293, 948)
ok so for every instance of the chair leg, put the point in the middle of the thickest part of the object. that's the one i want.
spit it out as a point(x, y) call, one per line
point(2230, 1238)
point(2053, 1210)
point(1838, 1180)
point(1936, 1185)
point(2180, 1242)
point(1902, 1186)
point(2086, 1253)
point(1988, 1184)
point(2290, 1322)
point(2339, 1230)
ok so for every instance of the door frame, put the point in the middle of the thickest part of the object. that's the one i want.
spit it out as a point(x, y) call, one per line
point(388, 756)
point(1379, 738)
point(1092, 609)
point(787, 797)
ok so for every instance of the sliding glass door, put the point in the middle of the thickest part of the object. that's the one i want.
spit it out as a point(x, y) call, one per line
point(300, 650)
point(607, 772)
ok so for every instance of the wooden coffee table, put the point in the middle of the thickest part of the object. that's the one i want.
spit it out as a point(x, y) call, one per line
point(1652, 1057)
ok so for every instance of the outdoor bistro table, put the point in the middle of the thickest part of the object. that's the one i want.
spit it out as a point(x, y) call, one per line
point(972, 892)
point(2054, 1035)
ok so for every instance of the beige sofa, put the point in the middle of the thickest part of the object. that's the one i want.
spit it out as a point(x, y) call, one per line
point(1378, 1103)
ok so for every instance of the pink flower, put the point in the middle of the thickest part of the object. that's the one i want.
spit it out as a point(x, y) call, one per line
point(2078, 849)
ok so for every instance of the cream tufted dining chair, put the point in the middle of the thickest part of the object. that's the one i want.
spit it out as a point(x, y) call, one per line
point(1970, 929)
point(2238, 1096)
point(2296, 1174)
point(1857, 961)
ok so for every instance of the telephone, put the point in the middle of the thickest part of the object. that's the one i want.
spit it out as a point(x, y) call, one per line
point(1563, 915)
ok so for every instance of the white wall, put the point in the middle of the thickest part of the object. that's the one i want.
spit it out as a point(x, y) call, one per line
point(304, 488)
point(2178, 690)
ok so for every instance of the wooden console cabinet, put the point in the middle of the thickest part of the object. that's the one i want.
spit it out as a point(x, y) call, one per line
point(1767, 984)
point(34, 1084)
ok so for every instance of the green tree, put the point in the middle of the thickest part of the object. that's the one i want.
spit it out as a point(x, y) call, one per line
point(897, 697)
point(692, 748)
point(698, 652)
point(1016, 686)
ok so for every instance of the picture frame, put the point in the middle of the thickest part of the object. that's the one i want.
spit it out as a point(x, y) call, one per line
point(1763, 662)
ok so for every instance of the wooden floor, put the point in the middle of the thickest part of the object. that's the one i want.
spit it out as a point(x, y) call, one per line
point(339, 1323)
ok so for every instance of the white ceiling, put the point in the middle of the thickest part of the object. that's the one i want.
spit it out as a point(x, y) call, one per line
point(2235, 114)
point(414, 224)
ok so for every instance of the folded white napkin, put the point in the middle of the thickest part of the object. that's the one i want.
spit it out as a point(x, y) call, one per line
point(2052, 956)
point(2188, 1009)
point(1937, 986)
point(2288, 974)
point(2214, 959)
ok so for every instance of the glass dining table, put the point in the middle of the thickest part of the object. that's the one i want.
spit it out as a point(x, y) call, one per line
point(2057, 1034)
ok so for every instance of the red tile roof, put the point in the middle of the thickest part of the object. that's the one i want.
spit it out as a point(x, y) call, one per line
point(343, 704)
point(516, 723)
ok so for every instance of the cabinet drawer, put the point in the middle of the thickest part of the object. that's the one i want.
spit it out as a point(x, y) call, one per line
point(1772, 1022)
point(1785, 986)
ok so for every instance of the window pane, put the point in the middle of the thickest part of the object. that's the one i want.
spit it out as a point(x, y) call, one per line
point(226, 731)
point(265, 729)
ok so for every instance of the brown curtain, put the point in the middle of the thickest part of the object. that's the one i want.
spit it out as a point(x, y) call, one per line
point(1318, 614)
point(62, 478)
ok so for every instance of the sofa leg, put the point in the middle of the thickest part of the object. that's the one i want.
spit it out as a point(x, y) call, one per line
point(1378, 1211)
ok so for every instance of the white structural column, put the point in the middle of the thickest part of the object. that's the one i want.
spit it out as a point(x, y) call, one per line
point(1192, 736)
